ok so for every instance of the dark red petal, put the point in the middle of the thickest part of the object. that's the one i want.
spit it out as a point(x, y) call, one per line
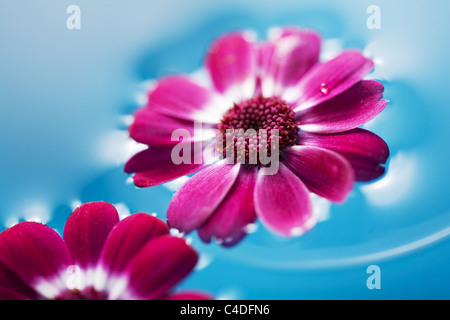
point(189, 295)
point(11, 282)
point(199, 197)
point(327, 80)
point(349, 110)
point(324, 172)
point(127, 238)
point(160, 265)
point(86, 231)
point(179, 97)
point(155, 166)
point(286, 58)
point(231, 62)
point(35, 253)
point(366, 152)
point(8, 294)
point(153, 128)
point(236, 211)
point(283, 203)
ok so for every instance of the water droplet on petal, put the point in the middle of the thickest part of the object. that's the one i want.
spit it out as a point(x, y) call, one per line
point(324, 88)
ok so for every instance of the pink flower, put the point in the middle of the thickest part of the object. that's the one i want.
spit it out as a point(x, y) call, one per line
point(99, 258)
point(277, 84)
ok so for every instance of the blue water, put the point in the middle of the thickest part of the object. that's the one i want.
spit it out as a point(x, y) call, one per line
point(65, 96)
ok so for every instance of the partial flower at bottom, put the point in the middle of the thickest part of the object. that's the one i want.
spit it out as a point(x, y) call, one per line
point(99, 258)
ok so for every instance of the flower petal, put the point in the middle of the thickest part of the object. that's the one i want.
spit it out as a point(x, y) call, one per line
point(156, 129)
point(286, 58)
point(8, 294)
point(10, 283)
point(155, 166)
point(327, 80)
point(199, 197)
point(161, 264)
point(227, 223)
point(324, 172)
point(127, 238)
point(366, 152)
point(86, 231)
point(179, 97)
point(189, 295)
point(231, 62)
point(351, 109)
point(35, 253)
point(282, 202)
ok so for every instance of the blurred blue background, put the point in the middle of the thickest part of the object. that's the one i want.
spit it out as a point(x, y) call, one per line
point(66, 97)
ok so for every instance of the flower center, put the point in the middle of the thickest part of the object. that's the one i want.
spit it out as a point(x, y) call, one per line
point(257, 127)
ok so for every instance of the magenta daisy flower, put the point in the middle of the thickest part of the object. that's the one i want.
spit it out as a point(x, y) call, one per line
point(278, 84)
point(99, 258)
